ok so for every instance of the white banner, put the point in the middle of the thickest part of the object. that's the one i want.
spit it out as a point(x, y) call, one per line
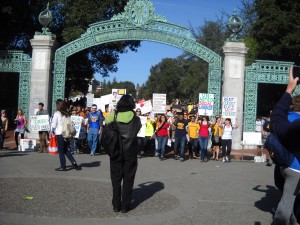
point(89, 100)
point(159, 103)
point(145, 107)
point(142, 131)
point(40, 123)
point(206, 104)
point(77, 120)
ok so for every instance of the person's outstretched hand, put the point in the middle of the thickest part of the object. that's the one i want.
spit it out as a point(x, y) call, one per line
point(292, 84)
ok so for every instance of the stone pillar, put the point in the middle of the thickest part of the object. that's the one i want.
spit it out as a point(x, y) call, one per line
point(233, 83)
point(41, 74)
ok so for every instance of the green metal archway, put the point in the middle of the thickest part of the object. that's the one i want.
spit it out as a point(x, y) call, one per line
point(138, 22)
point(18, 62)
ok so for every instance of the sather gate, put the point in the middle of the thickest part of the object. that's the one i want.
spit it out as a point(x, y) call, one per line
point(138, 22)
point(18, 62)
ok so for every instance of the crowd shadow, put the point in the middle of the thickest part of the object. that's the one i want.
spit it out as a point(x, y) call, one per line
point(145, 191)
point(91, 164)
point(270, 200)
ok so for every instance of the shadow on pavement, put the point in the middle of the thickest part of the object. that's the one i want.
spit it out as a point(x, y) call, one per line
point(91, 164)
point(9, 154)
point(145, 191)
point(270, 200)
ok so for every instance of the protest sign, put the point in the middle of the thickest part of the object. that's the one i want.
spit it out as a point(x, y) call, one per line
point(77, 120)
point(206, 104)
point(142, 131)
point(27, 145)
point(229, 108)
point(145, 106)
point(116, 95)
point(39, 123)
point(159, 103)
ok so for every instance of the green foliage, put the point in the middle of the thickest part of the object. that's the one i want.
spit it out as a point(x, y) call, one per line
point(277, 30)
point(19, 20)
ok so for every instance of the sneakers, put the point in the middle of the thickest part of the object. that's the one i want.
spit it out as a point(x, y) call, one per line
point(162, 158)
point(224, 161)
point(181, 159)
point(61, 169)
point(92, 154)
point(176, 157)
point(156, 154)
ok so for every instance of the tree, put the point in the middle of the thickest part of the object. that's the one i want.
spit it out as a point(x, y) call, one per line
point(71, 18)
point(277, 30)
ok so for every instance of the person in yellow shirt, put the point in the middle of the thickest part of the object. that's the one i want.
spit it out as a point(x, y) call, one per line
point(149, 147)
point(217, 130)
point(193, 130)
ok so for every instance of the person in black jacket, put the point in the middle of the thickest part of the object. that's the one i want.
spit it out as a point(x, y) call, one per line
point(124, 165)
point(286, 126)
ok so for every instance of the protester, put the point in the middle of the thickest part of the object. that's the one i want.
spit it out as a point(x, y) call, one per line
point(123, 167)
point(42, 134)
point(94, 128)
point(141, 140)
point(203, 137)
point(163, 136)
point(227, 140)
point(21, 122)
point(286, 126)
point(193, 130)
point(180, 125)
point(4, 123)
point(149, 147)
point(217, 130)
point(63, 143)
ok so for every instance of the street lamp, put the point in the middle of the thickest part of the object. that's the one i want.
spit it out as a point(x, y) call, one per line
point(235, 25)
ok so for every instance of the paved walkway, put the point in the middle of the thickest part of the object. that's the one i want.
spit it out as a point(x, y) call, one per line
point(165, 193)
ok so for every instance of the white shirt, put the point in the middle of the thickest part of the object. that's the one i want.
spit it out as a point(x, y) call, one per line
point(227, 133)
point(258, 126)
point(56, 123)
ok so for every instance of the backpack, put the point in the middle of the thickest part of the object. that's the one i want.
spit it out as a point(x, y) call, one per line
point(111, 138)
point(68, 127)
point(278, 153)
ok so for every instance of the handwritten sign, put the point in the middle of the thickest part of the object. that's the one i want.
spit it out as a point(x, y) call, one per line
point(40, 123)
point(77, 120)
point(145, 106)
point(142, 131)
point(229, 107)
point(159, 103)
point(206, 104)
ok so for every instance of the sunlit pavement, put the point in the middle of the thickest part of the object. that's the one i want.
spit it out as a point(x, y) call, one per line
point(165, 192)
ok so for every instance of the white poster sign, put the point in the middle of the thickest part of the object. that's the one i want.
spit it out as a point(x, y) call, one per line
point(27, 145)
point(142, 131)
point(206, 104)
point(77, 120)
point(39, 123)
point(89, 100)
point(116, 95)
point(145, 106)
point(229, 107)
point(159, 103)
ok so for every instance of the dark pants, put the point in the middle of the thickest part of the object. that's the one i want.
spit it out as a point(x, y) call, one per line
point(63, 151)
point(141, 144)
point(123, 168)
point(226, 147)
point(149, 145)
point(17, 137)
point(2, 137)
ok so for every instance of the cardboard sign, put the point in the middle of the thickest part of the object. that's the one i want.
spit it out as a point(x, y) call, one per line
point(159, 103)
point(77, 120)
point(40, 123)
point(229, 107)
point(27, 145)
point(206, 104)
point(145, 106)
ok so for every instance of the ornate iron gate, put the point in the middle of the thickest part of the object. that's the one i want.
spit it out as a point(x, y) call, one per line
point(261, 71)
point(17, 61)
point(138, 22)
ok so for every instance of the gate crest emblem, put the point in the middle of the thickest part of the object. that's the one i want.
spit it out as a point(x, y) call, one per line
point(139, 13)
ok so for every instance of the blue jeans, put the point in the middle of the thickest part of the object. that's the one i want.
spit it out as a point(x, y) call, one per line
point(162, 141)
point(93, 139)
point(203, 141)
point(63, 146)
point(182, 141)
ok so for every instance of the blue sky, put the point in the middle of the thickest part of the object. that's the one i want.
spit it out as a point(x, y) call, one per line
point(135, 66)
